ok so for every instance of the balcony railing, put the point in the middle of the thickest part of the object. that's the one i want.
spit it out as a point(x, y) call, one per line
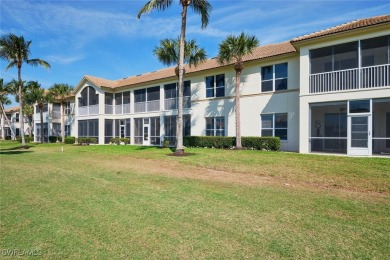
point(88, 110)
point(359, 78)
point(56, 114)
point(118, 109)
point(126, 108)
point(171, 103)
point(108, 109)
point(148, 106)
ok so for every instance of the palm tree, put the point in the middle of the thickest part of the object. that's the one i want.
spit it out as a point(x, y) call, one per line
point(168, 53)
point(38, 95)
point(233, 49)
point(4, 100)
point(28, 110)
point(201, 7)
point(61, 92)
point(16, 51)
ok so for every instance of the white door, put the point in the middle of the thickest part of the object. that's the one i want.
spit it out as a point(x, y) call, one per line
point(122, 131)
point(359, 136)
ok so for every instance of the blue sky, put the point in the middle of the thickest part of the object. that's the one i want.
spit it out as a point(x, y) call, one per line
point(105, 39)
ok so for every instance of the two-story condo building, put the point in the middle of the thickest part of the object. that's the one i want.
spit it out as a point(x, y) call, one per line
point(326, 92)
point(10, 129)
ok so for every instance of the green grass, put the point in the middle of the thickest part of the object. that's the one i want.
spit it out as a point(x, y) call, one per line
point(139, 202)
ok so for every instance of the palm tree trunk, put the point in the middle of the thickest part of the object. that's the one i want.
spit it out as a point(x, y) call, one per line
point(21, 117)
point(42, 131)
point(238, 111)
point(63, 122)
point(6, 119)
point(179, 132)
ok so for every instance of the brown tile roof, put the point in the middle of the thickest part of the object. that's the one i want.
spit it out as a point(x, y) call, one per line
point(346, 27)
point(261, 52)
point(11, 109)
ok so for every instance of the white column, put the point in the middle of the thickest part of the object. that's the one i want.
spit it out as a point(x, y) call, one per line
point(162, 98)
point(132, 104)
point(131, 127)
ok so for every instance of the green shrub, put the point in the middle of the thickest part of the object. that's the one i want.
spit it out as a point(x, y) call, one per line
point(8, 137)
point(27, 139)
point(166, 143)
point(209, 141)
point(118, 140)
point(224, 142)
point(53, 139)
point(261, 143)
point(87, 140)
point(70, 139)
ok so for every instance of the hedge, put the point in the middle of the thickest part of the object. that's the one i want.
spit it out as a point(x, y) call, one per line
point(27, 139)
point(87, 140)
point(70, 139)
point(53, 139)
point(225, 142)
point(118, 140)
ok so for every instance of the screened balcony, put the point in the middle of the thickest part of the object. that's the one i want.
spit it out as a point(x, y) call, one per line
point(147, 100)
point(349, 66)
point(88, 102)
point(171, 96)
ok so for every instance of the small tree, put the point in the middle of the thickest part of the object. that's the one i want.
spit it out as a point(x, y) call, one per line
point(61, 92)
point(233, 49)
point(16, 51)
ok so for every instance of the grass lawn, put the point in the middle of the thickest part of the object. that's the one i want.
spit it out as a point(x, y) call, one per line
point(139, 202)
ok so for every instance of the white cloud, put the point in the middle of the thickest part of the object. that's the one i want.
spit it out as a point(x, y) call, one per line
point(62, 59)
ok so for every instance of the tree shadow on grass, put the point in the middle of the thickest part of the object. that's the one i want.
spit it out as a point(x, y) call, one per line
point(14, 152)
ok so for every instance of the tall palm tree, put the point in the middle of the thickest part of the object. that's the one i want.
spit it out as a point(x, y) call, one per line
point(61, 92)
point(4, 100)
point(201, 7)
point(30, 101)
point(38, 95)
point(233, 49)
point(168, 54)
point(16, 51)
point(28, 110)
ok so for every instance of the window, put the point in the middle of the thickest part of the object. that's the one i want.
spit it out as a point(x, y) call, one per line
point(108, 133)
point(359, 106)
point(170, 127)
point(375, 51)
point(274, 77)
point(215, 126)
point(67, 130)
point(274, 125)
point(56, 131)
point(67, 108)
point(16, 117)
point(155, 130)
point(215, 86)
point(88, 128)
point(338, 57)
point(89, 97)
point(138, 132)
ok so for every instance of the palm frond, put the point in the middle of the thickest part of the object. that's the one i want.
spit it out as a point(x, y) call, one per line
point(202, 7)
point(159, 5)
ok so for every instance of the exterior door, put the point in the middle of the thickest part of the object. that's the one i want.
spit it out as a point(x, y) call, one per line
point(122, 131)
point(146, 135)
point(360, 136)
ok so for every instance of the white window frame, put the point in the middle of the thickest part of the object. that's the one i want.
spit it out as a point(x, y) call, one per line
point(273, 78)
point(273, 128)
point(215, 85)
point(214, 129)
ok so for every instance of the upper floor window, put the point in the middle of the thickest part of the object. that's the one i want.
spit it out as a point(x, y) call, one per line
point(274, 77)
point(338, 57)
point(215, 86)
point(375, 51)
point(67, 108)
point(274, 125)
point(170, 90)
point(89, 97)
point(16, 117)
point(215, 126)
